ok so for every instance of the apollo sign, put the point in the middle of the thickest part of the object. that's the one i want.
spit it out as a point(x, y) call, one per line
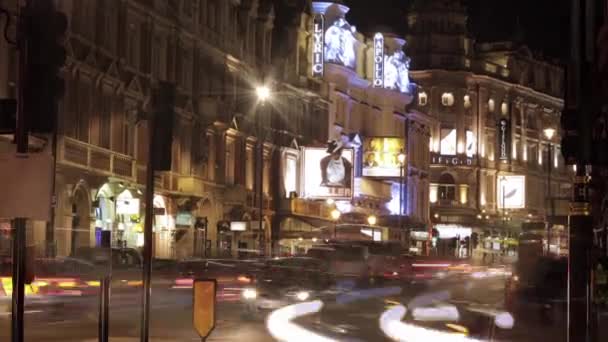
point(318, 45)
point(378, 81)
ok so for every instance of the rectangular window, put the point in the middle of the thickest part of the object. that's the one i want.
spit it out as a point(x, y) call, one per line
point(134, 44)
point(211, 8)
point(448, 141)
point(290, 174)
point(249, 167)
point(447, 192)
point(230, 159)
point(84, 111)
point(105, 120)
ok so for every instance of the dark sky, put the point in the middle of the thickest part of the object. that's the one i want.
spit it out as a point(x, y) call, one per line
point(544, 22)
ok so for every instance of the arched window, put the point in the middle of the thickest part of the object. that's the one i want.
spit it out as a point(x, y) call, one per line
point(447, 187)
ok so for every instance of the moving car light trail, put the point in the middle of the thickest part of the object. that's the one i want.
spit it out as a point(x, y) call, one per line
point(393, 327)
point(280, 326)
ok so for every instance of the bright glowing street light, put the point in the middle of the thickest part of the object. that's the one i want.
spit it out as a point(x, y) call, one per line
point(549, 133)
point(401, 158)
point(263, 92)
point(330, 201)
point(371, 220)
point(335, 214)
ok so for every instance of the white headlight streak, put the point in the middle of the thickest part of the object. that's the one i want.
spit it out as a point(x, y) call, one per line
point(281, 328)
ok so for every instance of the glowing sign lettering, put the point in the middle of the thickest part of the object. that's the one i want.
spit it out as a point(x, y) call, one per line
point(318, 46)
point(504, 139)
point(378, 61)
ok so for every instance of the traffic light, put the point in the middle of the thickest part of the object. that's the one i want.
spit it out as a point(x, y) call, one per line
point(163, 102)
point(44, 29)
point(8, 116)
point(570, 143)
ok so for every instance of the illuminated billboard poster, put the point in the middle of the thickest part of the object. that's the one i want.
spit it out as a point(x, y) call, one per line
point(511, 192)
point(448, 142)
point(471, 149)
point(327, 172)
point(380, 156)
point(340, 44)
point(318, 45)
point(504, 139)
point(396, 72)
point(378, 61)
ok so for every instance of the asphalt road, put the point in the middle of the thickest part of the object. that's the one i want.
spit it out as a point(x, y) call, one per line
point(76, 320)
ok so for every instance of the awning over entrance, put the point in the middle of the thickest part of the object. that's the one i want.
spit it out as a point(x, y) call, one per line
point(295, 227)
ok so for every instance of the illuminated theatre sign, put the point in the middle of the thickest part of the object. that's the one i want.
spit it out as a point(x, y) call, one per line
point(318, 45)
point(378, 61)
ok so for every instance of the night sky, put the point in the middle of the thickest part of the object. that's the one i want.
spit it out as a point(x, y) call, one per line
point(544, 23)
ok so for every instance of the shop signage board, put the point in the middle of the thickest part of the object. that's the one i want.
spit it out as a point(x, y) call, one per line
point(238, 226)
point(318, 45)
point(127, 206)
point(380, 156)
point(504, 139)
point(325, 175)
point(378, 81)
point(451, 160)
point(30, 196)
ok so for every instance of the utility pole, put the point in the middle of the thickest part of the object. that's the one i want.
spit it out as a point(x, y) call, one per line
point(160, 138)
point(40, 33)
point(19, 224)
point(579, 147)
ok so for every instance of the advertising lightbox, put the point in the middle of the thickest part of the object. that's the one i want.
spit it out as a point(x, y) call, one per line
point(380, 156)
point(340, 44)
point(511, 192)
point(326, 175)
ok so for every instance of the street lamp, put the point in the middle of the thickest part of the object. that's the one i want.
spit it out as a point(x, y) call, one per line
point(503, 182)
point(335, 215)
point(549, 132)
point(371, 220)
point(263, 94)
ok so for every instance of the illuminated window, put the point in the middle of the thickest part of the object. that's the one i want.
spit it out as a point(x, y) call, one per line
point(446, 189)
point(504, 108)
point(464, 193)
point(433, 193)
point(491, 105)
point(471, 147)
point(422, 99)
point(447, 99)
point(467, 101)
point(448, 141)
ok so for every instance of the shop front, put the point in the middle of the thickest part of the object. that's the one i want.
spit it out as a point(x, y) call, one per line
point(119, 211)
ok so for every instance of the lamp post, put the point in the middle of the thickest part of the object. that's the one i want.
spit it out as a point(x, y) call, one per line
point(401, 159)
point(263, 94)
point(372, 220)
point(549, 132)
point(335, 216)
point(503, 182)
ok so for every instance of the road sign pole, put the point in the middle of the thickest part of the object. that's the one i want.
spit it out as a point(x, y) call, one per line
point(19, 224)
point(149, 212)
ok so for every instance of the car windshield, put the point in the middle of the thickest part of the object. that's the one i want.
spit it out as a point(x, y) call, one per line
point(304, 170)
